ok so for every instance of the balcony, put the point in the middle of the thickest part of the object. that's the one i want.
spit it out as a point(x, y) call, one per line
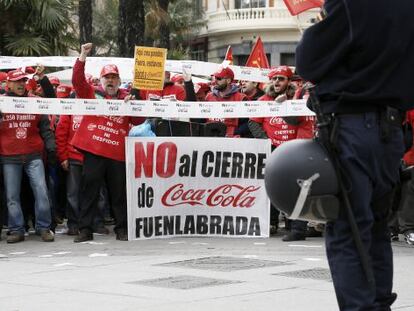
point(230, 21)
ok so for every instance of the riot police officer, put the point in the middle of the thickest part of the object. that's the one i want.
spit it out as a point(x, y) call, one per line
point(361, 58)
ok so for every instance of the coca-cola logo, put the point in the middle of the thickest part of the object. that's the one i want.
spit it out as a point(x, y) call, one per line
point(91, 126)
point(276, 121)
point(21, 133)
point(222, 196)
point(116, 119)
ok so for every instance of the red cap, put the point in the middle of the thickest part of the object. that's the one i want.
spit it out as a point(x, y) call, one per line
point(63, 91)
point(177, 78)
point(31, 85)
point(280, 71)
point(29, 70)
point(54, 80)
point(224, 73)
point(108, 69)
point(16, 75)
point(201, 86)
point(3, 76)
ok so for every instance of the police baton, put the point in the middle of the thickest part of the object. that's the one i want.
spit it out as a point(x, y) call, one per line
point(327, 130)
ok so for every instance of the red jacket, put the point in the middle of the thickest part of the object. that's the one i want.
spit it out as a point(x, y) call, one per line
point(234, 96)
point(65, 130)
point(100, 135)
point(279, 131)
point(170, 90)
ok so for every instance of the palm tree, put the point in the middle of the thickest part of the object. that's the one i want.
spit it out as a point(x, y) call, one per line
point(85, 21)
point(170, 22)
point(131, 26)
point(34, 28)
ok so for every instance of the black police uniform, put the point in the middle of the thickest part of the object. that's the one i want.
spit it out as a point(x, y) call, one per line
point(361, 58)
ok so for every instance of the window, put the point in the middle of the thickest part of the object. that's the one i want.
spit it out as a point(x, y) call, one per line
point(248, 4)
point(287, 59)
point(198, 52)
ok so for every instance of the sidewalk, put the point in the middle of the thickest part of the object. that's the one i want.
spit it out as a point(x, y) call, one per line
point(186, 274)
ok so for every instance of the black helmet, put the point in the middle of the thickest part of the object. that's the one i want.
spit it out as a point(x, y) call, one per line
point(301, 181)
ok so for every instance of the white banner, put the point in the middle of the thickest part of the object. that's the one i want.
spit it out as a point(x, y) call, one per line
point(126, 65)
point(184, 186)
point(163, 109)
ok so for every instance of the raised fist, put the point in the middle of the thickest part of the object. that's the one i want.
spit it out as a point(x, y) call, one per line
point(186, 74)
point(86, 48)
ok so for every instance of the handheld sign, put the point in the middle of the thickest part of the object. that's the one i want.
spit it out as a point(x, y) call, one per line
point(149, 68)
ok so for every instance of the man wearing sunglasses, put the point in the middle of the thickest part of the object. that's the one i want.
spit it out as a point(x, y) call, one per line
point(280, 130)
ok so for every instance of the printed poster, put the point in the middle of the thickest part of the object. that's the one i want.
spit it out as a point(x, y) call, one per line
point(196, 186)
point(149, 68)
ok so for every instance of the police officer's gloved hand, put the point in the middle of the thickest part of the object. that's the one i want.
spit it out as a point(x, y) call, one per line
point(51, 158)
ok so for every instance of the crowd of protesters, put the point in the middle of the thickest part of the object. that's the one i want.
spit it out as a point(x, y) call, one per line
point(58, 168)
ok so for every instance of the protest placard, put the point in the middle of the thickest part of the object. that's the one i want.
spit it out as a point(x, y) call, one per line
point(184, 186)
point(149, 68)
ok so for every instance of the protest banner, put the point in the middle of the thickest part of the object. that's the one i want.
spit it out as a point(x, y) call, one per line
point(184, 186)
point(162, 108)
point(149, 68)
point(94, 65)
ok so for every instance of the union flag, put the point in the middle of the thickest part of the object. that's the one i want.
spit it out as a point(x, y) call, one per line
point(229, 55)
point(298, 6)
point(258, 56)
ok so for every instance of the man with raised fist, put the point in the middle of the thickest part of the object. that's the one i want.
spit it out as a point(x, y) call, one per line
point(101, 139)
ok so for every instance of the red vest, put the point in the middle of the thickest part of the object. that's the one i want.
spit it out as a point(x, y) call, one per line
point(65, 130)
point(100, 135)
point(279, 131)
point(19, 134)
point(231, 123)
point(103, 136)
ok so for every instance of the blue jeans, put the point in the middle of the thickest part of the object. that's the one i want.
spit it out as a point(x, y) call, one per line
point(12, 174)
point(370, 168)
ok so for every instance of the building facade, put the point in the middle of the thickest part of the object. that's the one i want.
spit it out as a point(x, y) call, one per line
point(240, 22)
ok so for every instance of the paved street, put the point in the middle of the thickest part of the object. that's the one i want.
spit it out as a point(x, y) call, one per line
point(177, 274)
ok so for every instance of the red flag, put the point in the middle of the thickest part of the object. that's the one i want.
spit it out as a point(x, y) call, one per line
point(229, 55)
point(298, 6)
point(258, 56)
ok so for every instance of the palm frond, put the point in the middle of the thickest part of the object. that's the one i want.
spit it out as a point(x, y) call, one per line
point(50, 15)
point(7, 4)
point(26, 44)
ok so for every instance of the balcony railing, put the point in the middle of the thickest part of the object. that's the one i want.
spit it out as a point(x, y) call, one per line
point(258, 18)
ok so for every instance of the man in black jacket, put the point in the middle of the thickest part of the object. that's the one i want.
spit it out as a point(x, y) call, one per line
point(361, 58)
